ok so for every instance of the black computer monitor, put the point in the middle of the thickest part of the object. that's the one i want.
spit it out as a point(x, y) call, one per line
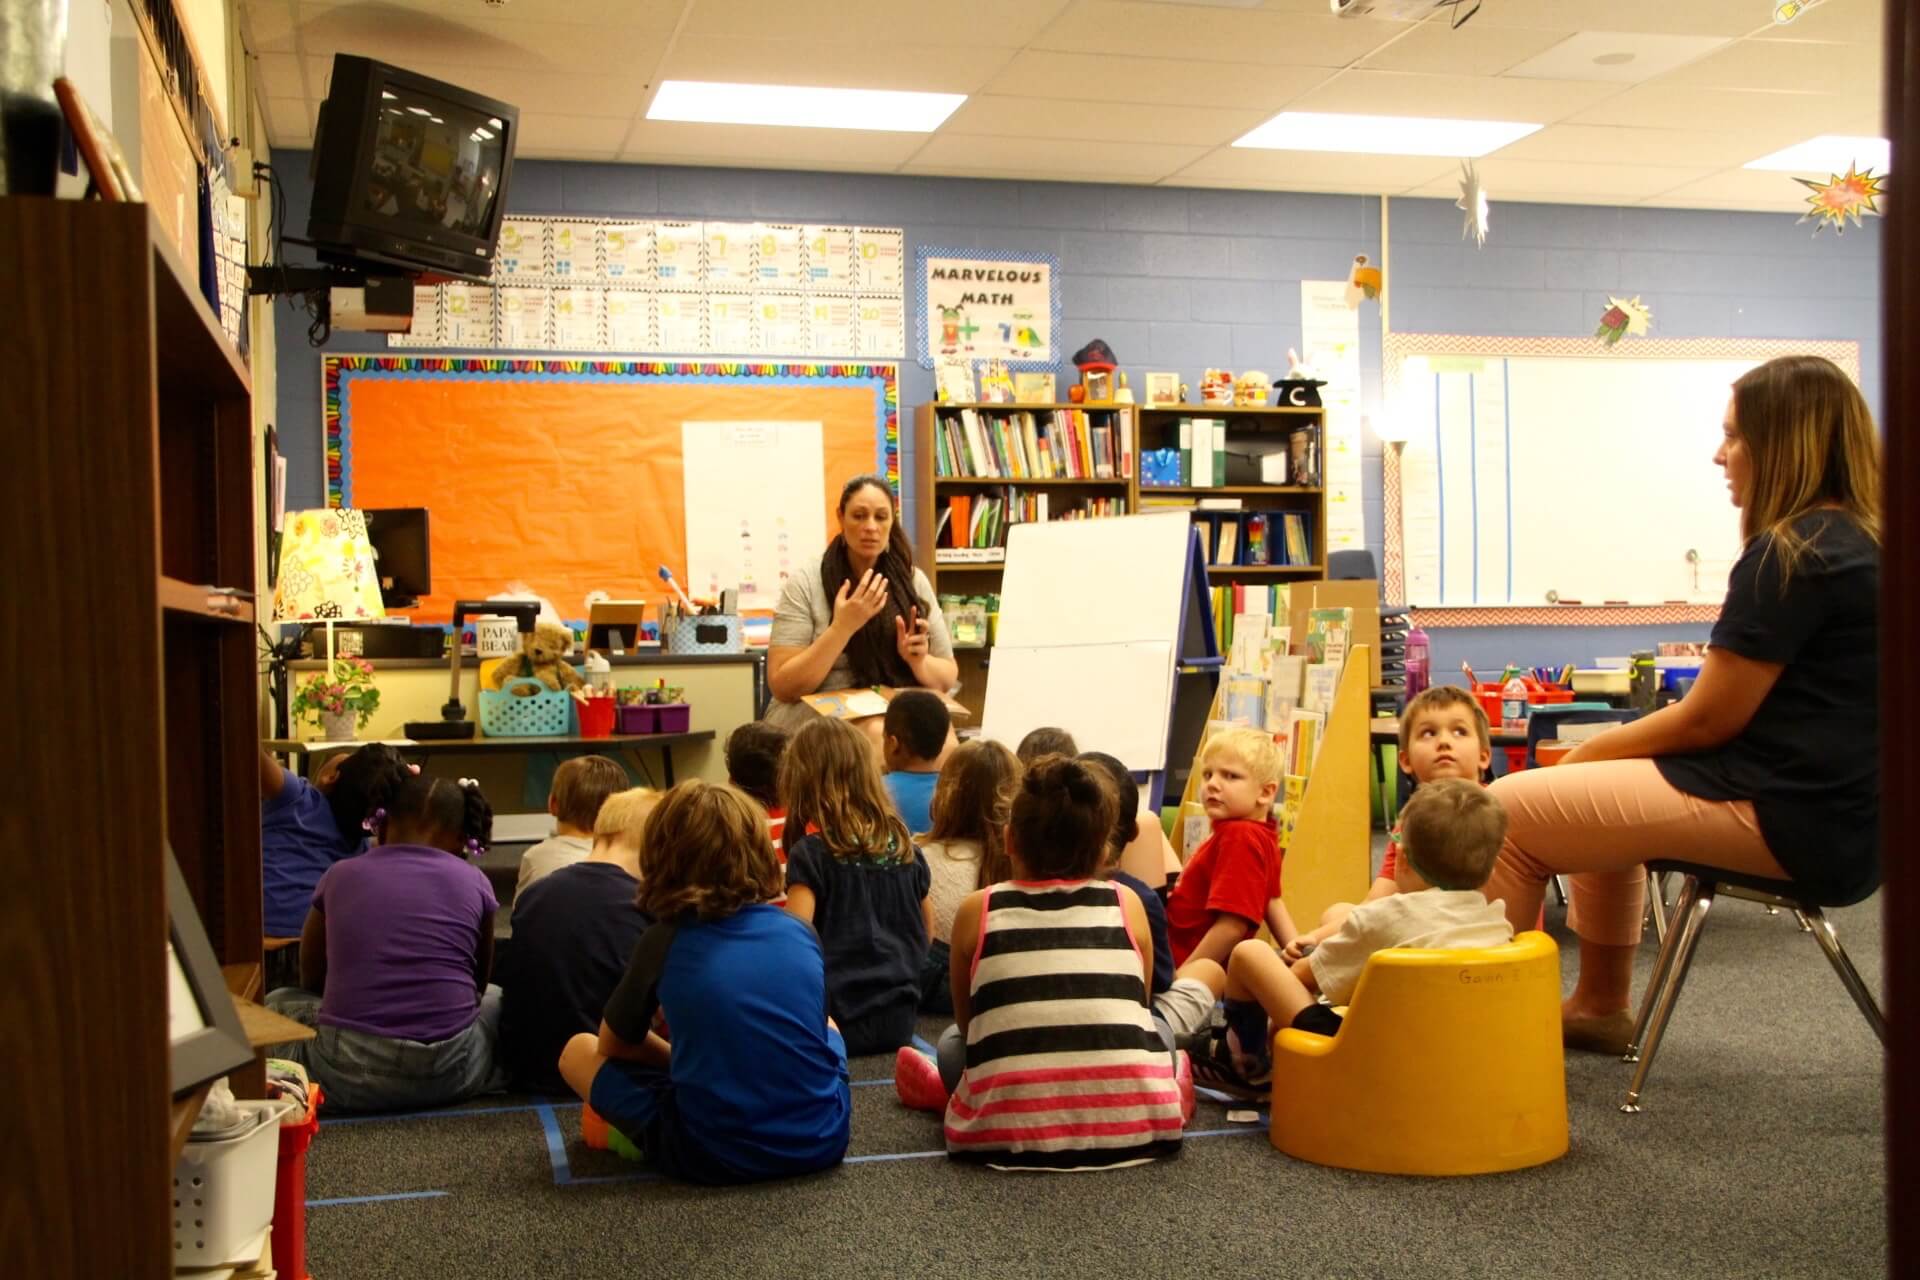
point(400, 550)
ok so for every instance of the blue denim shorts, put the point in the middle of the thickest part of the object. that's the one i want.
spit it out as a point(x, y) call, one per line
point(639, 1102)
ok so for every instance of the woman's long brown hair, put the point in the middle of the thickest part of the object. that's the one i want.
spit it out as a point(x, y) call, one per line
point(830, 780)
point(974, 801)
point(1812, 443)
point(874, 653)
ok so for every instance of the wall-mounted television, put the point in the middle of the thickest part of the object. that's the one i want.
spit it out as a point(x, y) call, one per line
point(409, 172)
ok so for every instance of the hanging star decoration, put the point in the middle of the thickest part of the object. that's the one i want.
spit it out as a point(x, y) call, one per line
point(1472, 202)
point(1842, 196)
point(1623, 317)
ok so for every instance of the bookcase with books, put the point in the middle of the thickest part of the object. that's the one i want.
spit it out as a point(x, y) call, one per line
point(1252, 478)
point(983, 468)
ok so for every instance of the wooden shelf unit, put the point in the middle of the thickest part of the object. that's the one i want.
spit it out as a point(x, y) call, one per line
point(1149, 425)
point(131, 481)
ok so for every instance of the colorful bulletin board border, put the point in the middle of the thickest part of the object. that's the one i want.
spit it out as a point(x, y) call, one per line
point(1396, 350)
point(338, 374)
point(922, 348)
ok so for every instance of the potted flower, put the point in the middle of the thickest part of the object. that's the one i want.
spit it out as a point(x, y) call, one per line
point(340, 700)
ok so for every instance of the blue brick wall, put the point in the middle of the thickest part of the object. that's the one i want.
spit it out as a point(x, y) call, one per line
point(1180, 279)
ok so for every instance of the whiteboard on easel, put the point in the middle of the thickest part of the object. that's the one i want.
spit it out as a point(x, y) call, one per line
point(1570, 476)
point(1089, 633)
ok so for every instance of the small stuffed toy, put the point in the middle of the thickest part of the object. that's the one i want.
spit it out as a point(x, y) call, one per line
point(543, 653)
point(1299, 388)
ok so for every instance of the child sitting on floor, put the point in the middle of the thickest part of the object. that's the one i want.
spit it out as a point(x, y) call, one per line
point(1450, 839)
point(306, 827)
point(1224, 891)
point(1045, 741)
point(1061, 1067)
point(966, 848)
point(753, 765)
point(856, 877)
point(1443, 734)
point(394, 959)
point(914, 743)
point(755, 1083)
point(580, 786)
point(573, 933)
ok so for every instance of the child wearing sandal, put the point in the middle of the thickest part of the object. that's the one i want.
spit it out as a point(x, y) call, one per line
point(1450, 834)
point(754, 1084)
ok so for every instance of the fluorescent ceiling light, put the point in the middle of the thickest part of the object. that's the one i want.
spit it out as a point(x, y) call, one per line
point(888, 110)
point(1384, 135)
point(1829, 153)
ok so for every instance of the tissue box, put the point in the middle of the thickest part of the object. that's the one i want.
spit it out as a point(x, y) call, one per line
point(714, 633)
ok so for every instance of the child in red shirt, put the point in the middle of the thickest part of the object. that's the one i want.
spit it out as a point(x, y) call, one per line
point(1224, 891)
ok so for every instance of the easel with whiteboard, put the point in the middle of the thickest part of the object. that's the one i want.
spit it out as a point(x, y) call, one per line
point(1104, 632)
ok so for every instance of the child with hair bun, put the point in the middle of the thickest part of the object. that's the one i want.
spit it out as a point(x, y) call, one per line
point(395, 956)
point(1062, 1067)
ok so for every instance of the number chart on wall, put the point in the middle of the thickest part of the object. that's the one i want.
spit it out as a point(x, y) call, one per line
point(1545, 473)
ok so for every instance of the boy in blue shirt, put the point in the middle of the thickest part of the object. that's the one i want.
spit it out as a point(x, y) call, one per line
point(306, 827)
point(916, 733)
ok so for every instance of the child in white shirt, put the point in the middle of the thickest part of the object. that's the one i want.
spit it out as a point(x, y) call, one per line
point(580, 786)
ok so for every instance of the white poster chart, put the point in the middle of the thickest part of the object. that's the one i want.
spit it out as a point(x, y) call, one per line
point(1034, 675)
point(985, 304)
point(1330, 346)
point(755, 506)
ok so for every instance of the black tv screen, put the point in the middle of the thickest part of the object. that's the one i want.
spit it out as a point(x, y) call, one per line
point(408, 171)
point(401, 553)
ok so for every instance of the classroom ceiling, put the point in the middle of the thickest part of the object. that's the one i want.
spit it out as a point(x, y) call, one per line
point(1144, 93)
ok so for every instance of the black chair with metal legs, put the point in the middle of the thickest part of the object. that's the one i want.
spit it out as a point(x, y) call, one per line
point(1699, 885)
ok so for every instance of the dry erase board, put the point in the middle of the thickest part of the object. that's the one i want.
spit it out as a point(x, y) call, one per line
point(1538, 473)
point(1088, 632)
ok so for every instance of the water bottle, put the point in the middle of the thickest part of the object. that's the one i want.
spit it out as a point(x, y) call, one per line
point(1513, 705)
point(1646, 680)
point(1418, 664)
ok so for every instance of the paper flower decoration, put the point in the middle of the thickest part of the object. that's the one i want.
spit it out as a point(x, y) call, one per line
point(1622, 317)
point(1363, 281)
point(1841, 197)
point(1472, 202)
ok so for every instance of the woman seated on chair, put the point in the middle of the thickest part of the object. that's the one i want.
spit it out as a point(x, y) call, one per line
point(1769, 766)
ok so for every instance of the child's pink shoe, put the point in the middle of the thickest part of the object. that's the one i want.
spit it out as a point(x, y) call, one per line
point(917, 1081)
point(1183, 1079)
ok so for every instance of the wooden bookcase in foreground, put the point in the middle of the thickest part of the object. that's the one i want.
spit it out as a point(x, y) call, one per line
point(128, 493)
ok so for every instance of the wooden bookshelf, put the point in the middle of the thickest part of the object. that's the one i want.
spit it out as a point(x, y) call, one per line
point(131, 489)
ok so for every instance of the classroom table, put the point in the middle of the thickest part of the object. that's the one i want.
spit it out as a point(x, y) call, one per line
point(570, 745)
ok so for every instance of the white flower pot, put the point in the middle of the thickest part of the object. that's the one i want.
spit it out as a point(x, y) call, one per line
point(337, 728)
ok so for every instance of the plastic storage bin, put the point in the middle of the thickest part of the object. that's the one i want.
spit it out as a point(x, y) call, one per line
point(223, 1190)
point(547, 714)
point(635, 718)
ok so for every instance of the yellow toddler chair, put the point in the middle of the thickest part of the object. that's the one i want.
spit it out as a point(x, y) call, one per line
point(1449, 1062)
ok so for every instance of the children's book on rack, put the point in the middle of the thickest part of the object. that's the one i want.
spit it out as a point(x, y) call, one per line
point(1236, 538)
point(1026, 444)
point(1233, 599)
point(970, 523)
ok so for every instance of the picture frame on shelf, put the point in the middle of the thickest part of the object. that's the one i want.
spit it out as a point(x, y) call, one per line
point(112, 176)
point(1099, 384)
point(953, 382)
point(204, 1034)
point(1163, 388)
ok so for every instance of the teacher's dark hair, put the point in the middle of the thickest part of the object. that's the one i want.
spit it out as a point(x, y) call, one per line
point(1813, 444)
point(874, 652)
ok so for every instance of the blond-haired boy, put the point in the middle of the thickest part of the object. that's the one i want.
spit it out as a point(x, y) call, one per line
point(1443, 734)
point(1224, 890)
point(1451, 836)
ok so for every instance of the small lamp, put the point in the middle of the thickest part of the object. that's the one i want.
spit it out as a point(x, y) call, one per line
point(327, 572)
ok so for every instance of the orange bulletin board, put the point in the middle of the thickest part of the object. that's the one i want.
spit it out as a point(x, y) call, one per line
point(566, 474)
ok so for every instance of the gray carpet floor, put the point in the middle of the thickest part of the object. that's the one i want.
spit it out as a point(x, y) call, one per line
point(1759, 1154)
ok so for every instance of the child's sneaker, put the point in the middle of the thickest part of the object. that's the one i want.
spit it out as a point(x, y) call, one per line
point(917, 1081)
point(1224, 1068)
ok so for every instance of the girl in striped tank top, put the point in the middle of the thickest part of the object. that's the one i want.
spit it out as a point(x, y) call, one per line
point(1064, 1068)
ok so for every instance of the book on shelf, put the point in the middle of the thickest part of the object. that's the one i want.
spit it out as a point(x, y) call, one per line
point(1323, 681)
point(1218, 437)
point(1296, 546)
point(1228, 550)
point(976, 520)
point(1303, 741)
point(1328, 632)
point(1186, 451)
point(1020, 444)
point(1203, 454)
point(1246, 700)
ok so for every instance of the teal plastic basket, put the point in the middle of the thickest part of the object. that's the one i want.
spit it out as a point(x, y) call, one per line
point(546, 714)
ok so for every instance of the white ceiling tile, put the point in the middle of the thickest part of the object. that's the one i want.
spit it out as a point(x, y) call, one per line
point(1038, 157)
point(1472, 50)
point(277, 75)
point(1618, 57)
point(554, 91)
point(1389, 93)
point(1316, 170)
point(607, 15)
point(1004, 24)
point(1677, 17)
point(1664, 106)
point(1617, 144)
point(289, 121)
point(1787, 64)
point(546, 136)
point(1093, 77)
point(841, 64)
point(268, 25)
point(1606, 183)
point(1213, 35)
point(475, 37)
point(760, 145)
point(1749, 188)
point(1111, 122)
point(1860, 21)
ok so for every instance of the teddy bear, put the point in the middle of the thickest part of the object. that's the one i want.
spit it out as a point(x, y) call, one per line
point(543, 653)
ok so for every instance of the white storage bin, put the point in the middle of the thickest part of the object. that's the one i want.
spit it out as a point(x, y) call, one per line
point(223, 1190)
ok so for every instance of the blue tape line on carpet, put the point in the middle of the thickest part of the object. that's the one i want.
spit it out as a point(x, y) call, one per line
point(556, 1145)
point(396, 1195)
point(926, 1048)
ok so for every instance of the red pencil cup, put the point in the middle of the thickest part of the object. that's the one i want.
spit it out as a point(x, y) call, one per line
point(596, 718)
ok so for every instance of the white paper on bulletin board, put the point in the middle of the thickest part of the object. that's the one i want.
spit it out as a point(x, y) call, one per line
point(756, 506)
point(1330, 345)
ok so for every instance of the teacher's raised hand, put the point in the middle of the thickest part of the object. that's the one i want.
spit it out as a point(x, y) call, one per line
point(857, 604)
point(911, 636)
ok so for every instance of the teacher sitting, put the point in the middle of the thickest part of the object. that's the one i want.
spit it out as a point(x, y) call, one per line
point(1770, 765)
point(862, 616)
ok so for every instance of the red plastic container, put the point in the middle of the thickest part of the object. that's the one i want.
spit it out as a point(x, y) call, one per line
point(596, 718)
point(290, 1192)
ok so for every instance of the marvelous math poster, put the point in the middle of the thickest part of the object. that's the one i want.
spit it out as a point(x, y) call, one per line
point(983, 305)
